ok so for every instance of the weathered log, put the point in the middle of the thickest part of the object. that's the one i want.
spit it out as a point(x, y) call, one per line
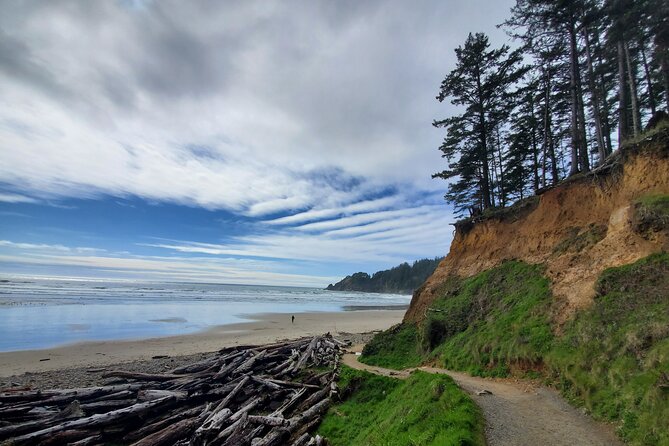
point(155, 394)
point(313, 399)
point(292, 384)
point(287, 406)
point(248, 364)
point(235, 397)
point(242, 438)
point(232, 365)
point(268, 420)
point(213, 422)
point(64, 396)
point(71, 411)
point(250, 405)
point(124, 394)
point(105, 406)
point(228, 398)
point(278, 435)
point(302, 440)
point(98, 419)
point(140, 376)
point(61, 438)
point(194, 367)
point(267, 383)
point(160, 424)
point(92, 440)
point(306, 355)
point(27, 395)
point(170, 434)
point(233, 430)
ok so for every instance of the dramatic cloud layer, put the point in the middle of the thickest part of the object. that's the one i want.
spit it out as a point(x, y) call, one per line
point(310, 118)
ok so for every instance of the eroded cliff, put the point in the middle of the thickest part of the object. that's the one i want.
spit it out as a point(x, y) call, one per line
point(577, 229)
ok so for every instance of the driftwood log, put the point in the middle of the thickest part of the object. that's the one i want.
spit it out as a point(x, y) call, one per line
point(260, 396)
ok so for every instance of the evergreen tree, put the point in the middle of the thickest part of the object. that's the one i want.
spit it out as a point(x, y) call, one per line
point(483, 84)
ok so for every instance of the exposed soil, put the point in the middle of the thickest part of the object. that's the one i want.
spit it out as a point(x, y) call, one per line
point(576, 229)
point(518, 412)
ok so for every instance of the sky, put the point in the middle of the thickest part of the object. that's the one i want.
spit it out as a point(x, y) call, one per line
point(285, 143)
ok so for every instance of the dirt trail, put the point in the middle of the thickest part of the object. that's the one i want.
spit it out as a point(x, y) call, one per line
point(518, 413)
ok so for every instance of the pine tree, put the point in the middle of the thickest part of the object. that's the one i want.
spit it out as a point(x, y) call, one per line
point(481, 83)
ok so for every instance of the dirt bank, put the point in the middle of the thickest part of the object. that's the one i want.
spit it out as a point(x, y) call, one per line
point(578, 229)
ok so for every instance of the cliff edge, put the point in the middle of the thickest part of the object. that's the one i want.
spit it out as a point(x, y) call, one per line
point(577, 229)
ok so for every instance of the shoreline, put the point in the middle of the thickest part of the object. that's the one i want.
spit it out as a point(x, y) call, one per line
point(261, 329)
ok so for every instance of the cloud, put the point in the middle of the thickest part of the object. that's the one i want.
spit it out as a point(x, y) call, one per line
point(387, 237)
point(47, 247)
point(220, 270)
point(16, 198)
point(308, 121)
point(298, 106)
point(320, 213)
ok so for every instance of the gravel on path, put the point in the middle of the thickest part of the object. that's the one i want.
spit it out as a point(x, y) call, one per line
point(517, 412)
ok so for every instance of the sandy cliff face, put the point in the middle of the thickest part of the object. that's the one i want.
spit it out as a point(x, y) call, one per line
point(576, 229)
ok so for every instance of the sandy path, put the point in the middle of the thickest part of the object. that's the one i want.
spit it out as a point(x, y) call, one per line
point(519, 413)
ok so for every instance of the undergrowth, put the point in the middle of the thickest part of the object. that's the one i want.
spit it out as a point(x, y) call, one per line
point(614, 357)
point(651, 213)
point(580, 239)
point(422, 410)
point(501, 322)
point(483, 325)
point(395, 348)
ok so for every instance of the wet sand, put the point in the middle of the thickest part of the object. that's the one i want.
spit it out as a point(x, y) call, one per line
point(263, 329)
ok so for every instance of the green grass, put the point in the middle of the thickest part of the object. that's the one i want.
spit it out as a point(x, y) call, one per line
point(422, 410)
point(498, 321)
point(614, 358)
point(651, 213)
point(482, 325)
point(395, 348)
point(580, 239)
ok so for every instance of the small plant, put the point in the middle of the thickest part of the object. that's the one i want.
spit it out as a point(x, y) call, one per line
point(651, 214)
point(580, 239)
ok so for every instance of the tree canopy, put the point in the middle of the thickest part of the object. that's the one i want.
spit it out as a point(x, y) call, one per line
point(402, 279)
point(586, 76)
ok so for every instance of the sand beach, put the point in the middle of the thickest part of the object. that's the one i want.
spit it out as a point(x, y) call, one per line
point(263, 329)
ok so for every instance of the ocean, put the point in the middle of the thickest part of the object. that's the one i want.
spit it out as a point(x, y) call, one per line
point(44, 313)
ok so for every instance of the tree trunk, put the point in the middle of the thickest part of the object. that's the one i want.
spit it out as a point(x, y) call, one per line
point(575, 134)
point(483, 156)
point(634, 99)
point(605, 101)
point(601, 148)
point(649, 79)
point(535, 149)
point(664, 66)
point(623, 130)
point(584, 160)
point(548, 134)
point(500, 180)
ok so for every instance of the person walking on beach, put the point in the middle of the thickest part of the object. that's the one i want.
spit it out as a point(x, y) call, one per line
point(292, 319)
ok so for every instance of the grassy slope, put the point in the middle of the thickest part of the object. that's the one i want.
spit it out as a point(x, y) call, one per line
point(395, 348)
point(613, 358)
point(422, 410)
point(507, 323)
point(481, 325)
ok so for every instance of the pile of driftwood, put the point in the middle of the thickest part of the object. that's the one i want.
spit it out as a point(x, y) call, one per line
point(272, 395)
